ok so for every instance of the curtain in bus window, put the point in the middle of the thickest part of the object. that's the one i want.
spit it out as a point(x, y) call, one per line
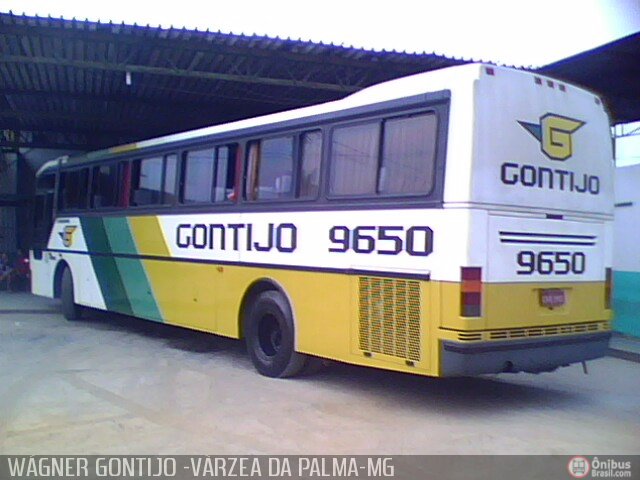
point(310, 169)
point(408, 155)
point(354, 159)
point(198, 178)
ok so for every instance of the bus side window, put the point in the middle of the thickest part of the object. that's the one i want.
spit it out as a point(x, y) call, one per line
point(270, 169)
point(354, 159)
point(408, 155)
point(311, 153)
point(171, 170)
point(223, 189)
point(198, 170)
point(146, 181)
point(74, 189)
point(124, 182)
point(104, 186)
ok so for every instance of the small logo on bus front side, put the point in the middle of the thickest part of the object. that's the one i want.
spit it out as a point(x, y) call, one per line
point(67, 235)
point(554, 134)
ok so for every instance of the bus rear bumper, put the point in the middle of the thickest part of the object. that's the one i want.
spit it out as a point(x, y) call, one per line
point(533, 356)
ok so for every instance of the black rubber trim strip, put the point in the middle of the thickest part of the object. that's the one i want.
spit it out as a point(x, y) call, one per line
point(344, 271)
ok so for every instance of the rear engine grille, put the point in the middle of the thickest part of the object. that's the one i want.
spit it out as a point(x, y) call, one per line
point(389, 317)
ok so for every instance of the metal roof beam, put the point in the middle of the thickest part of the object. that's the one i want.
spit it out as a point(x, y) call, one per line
point(175, 72)
point(99, 130)
point(159, 101)
point(184, 119)
point(56, 145)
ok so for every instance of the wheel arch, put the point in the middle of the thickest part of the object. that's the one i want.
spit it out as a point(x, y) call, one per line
point(57, 278)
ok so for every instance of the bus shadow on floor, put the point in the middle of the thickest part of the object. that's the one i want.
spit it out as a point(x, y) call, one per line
point(174, 336)
point(488, 393)
point(485, 393)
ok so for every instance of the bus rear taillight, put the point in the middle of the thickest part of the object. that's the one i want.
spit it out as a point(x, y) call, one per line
point(471, 291)
point(608, 288)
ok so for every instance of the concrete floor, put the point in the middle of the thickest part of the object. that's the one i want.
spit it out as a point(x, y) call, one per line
point(113, 384)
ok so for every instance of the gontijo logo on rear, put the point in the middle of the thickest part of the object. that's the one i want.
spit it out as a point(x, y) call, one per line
point(554, 132)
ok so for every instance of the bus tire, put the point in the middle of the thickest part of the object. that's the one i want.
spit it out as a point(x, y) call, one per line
point(70, 309)
point(270, 337)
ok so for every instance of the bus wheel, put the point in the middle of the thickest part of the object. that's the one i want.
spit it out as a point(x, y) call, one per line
point(270, 337)
point(70, 309)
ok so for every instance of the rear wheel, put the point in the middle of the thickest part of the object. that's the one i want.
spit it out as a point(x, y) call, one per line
point(270, 337)
point(70, 309)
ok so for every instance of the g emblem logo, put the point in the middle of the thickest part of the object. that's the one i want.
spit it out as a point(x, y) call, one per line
point(554, 134)
point(67, 235)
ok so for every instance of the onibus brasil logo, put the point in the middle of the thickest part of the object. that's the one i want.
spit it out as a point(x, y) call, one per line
point(579, 467)
point(67, 235)
point(554, 134)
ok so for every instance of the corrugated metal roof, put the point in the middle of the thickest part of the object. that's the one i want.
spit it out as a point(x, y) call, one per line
point(64, 82)
point(611, 70)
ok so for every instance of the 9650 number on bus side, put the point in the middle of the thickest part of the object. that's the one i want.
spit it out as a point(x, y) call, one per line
point(551, 263)
point(383, 240)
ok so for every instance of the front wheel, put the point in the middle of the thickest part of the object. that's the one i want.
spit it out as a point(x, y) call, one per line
point(270, 337)
point(70, 309)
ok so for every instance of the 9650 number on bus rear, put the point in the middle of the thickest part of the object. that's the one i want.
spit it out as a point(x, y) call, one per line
point(551, 263)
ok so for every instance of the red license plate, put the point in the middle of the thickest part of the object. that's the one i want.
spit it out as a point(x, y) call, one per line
point(552, 297)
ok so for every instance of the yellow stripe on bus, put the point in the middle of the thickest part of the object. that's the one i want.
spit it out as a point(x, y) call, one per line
point(148, 236)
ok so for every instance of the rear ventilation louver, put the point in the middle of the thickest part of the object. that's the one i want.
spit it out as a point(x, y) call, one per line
point(515, 333)
point(389, 317)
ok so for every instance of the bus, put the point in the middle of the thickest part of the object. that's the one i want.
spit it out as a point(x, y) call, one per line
point(450, 223)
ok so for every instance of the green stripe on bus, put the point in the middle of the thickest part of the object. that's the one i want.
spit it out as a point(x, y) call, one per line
point(132, 273)
point(104, 266)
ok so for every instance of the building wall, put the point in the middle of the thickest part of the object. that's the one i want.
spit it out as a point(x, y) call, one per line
point(8, 188)
point(17, 185)
point(626, 255)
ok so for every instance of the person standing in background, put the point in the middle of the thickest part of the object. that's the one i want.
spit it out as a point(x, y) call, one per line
point(5, 270)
